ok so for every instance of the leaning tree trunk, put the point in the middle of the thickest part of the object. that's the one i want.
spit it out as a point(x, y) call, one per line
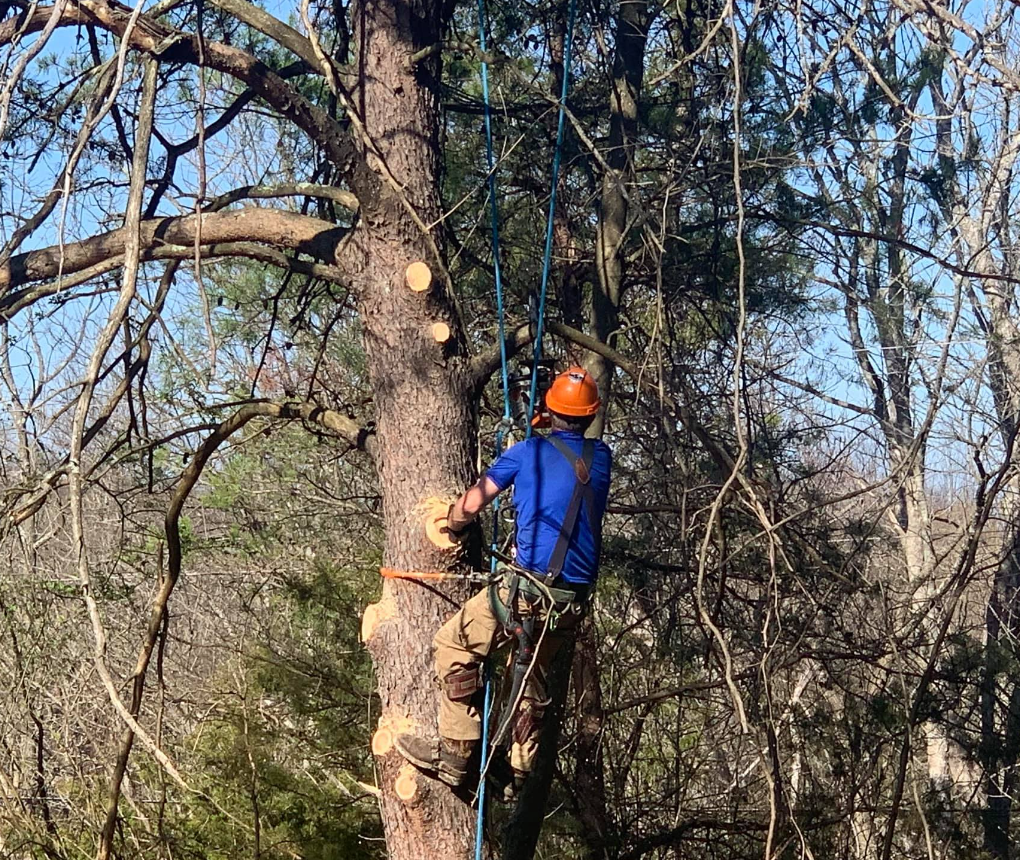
point(425, 423)
point(632, 23)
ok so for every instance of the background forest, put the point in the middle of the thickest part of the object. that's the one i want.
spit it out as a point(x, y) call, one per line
point(783, 241)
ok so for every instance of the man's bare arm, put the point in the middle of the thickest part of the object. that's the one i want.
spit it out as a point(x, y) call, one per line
point(471, 504)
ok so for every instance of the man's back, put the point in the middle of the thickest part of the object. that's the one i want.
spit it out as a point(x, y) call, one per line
point(544, 481)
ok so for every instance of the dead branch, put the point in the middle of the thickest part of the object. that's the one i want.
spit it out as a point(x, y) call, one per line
point(276, 227)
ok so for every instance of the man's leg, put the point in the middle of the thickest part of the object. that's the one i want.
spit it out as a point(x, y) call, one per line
point(528, 721)
point(462, 644)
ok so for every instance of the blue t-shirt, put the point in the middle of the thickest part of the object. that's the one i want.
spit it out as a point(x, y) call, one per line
point(543, 482)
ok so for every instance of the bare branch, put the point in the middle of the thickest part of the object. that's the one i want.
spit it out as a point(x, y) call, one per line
point(158, 40)
point(275, 227)
point(272, 27)
point(288, 189)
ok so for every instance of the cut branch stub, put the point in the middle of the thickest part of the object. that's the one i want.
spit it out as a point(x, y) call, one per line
point(382, 741)
point(435, 523)
point(375, 614)
point(419, 277)
point(406, 784)
point(389, 727)
point(441, 332)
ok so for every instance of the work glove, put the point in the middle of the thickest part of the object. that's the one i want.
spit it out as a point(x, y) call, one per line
point(457, 535)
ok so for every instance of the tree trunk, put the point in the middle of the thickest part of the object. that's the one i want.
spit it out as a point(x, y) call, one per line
point(999, 732)
point(999, 747)
point(425, 422)
point(1000, 698)
point(589, 774)
point(632, 23)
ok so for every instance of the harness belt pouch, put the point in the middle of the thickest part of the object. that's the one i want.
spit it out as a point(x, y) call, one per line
point(564, 599)
point(461, 686)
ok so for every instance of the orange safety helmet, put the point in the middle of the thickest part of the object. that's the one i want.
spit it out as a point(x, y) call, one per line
point(574, 392)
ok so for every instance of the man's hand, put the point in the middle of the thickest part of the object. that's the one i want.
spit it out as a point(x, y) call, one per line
point(456, 529)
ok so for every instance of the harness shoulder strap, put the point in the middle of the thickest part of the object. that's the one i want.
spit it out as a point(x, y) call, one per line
point(582, 464)
point(583, 493)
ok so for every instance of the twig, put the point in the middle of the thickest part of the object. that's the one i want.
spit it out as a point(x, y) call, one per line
point(132, 253)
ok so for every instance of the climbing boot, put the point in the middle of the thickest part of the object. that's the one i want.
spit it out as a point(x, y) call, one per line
point(506, 782)
point(443, 759)
point(512, 790)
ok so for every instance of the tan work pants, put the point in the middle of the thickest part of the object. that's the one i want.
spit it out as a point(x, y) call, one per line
point(465, 641)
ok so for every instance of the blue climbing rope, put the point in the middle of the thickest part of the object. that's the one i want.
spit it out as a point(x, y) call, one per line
point(490, 162)
point(501, 316)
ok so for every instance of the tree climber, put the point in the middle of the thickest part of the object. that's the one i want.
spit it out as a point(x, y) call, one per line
point(561, 483)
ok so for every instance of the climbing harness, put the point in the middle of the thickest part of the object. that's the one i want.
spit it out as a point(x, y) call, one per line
point(536, 586)
point(530, 598)
point(536, 363)
point(532, 588)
